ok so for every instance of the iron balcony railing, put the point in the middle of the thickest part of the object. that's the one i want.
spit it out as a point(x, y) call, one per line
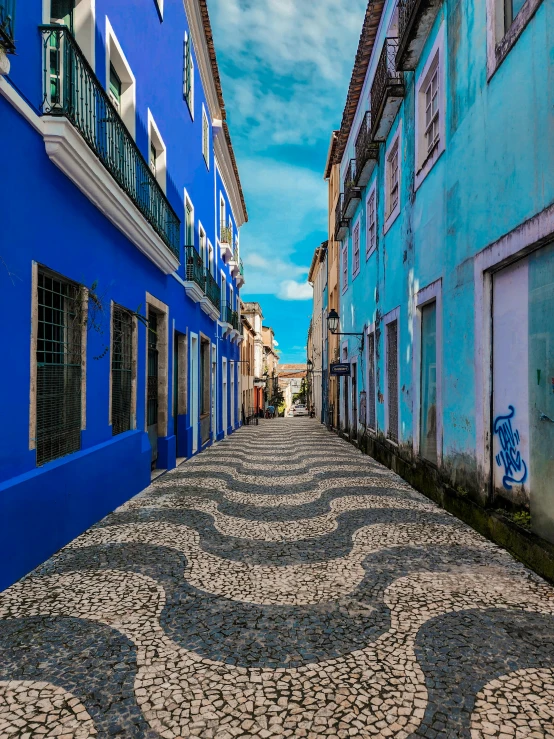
point(386, 75)
point(226, 236)
point(72, 90)
point(350, 189)
point(194, 267)
point(406, 9)
point(339, 218)
point(231, 317)
point(241, 268)
point(365, 147)
point(7, 21)
point(212, 290)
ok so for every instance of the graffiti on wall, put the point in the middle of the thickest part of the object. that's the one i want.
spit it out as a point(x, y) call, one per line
point(509, 457)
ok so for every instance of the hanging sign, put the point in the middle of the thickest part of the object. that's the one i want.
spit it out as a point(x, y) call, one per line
point(341, 368)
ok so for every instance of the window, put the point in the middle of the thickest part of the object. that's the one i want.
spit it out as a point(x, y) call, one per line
point(203, 245)
point(211, 265)
point(188, 74)
point(223, 295)
point(428, 389)
point(205, 137)
point(392, 380)
point(122, 370)
point(371, 215)
point(115, 89)
point(356, 249)
point(506, 21)
point(371, 419)
point(189, 222)
point(221, 214)
point(157, 153)
point(61, 309)
point(430, 111)
point(344, 257)
point(392, 179)
point(204, 377)
point(120, 83)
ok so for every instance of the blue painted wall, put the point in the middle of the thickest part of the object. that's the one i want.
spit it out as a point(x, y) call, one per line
point(48, 220)
point(495, 173)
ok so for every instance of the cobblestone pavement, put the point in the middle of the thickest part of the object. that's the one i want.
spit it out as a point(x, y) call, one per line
point(280, 584)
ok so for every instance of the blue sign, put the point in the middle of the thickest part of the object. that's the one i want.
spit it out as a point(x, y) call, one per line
point(341, 368)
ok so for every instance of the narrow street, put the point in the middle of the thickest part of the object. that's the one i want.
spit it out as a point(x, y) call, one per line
point(280, 584)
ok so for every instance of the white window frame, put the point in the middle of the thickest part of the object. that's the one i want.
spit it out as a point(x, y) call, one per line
point(356, 229)
point(116, 57)
point(344, 268)
point(222, 212)
point(425, 161)
point(430, 294)
point(160, 6)
point(188, 201)
point(190, 103)
point(211, 257)
point(205, 136)
point(391, 214)
point(499, 40)
point(393, 315)
point(155, 140)
point(371, 196)
point(223, 291)
point(84, 21)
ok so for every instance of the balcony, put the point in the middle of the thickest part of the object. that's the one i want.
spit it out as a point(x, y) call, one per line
point(194, 275)
point(234, 263)
point(231, 322)
point(85, 137)
point(211, 302)
point(7, 20)
point(226, 243)
point(415, 20)
point(240, 276)
point(387, 91)
point(352, 193)
point(341, 222)
point(367, 152)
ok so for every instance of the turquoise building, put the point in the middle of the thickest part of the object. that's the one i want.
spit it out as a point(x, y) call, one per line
point(445, 224)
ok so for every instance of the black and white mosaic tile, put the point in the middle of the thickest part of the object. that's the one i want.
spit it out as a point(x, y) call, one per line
point(279, 585)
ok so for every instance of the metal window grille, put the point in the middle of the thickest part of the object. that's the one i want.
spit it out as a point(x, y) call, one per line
point(356, 250)
point(152, 392)
point(393, 177)
point(122, 369)
point(59, 370)
point(392, 380)
point(371, 421)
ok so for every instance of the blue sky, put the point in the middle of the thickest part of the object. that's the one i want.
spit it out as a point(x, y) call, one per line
point(285, 67)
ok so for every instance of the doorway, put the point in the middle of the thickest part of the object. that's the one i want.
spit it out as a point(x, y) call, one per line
point(152, 389)
point(354, 426)
point(224, 396)
point(232, 370)
point(194, 388)
point(214, 392)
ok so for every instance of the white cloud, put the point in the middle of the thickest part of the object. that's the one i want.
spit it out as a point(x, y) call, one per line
point(292, 290)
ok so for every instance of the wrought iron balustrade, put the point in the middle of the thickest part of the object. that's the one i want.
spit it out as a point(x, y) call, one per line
point(194, 267)
point(72, 90)
point(231, 317)
point(341, 223)
point(415, 20)
point(226, 236)
point(406, 9)
point(367, 151)
point(349, 181)
point(387, 80)
point(241, 268)
point(212, 290)
point(7, 21)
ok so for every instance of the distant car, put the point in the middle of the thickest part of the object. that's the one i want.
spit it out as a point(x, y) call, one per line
point(300, 410)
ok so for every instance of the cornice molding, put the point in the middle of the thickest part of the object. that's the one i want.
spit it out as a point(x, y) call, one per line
point(196, 26)
point(224, 164)
point(70, 153)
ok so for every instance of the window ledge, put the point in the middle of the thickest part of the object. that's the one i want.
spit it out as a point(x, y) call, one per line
point(428, 165)
point(370, 252)
point(209, 308)
point(391, 218)
point(69, 152)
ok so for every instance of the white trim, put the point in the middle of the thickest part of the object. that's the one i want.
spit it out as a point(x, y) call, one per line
point(431, 293)
point(115, 56)
point(531, 234)
point(357, 225)
point(372, 192)
point(186, 199)
point(206, 139)
point(393, 215)
point(160, 4)
point(222, 157)
point(85, 24)
point(423, 162)
point(194, 389)
point(196, 26)
point(155, 137)
point(499, 42)
point(21, 105)
point(343, 271)
point(68, 150)
point(393, 315)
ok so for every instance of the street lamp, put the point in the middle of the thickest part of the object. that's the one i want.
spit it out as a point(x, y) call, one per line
point(310, 365)
point(333, 320)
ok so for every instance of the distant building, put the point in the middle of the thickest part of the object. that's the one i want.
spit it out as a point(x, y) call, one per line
point(317, 344)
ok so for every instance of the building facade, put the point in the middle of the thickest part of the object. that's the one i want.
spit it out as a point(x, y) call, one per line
point(317, 349)
point(445, 224)
point(120, 260)
point(247, 390)
point(252, 311)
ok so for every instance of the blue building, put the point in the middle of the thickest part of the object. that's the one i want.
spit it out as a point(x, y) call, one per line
point(445, 224)
point(120, 270)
